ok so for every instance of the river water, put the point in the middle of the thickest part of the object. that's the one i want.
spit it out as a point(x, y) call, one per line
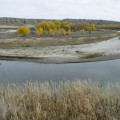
point(20, 72)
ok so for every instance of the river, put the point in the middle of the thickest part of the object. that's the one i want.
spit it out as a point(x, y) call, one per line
point(19, 72)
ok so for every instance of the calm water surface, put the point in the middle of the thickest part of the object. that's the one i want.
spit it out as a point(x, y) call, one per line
point(19, 72)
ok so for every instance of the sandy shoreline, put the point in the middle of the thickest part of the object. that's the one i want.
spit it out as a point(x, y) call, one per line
point(105, 50)
point(59, 60)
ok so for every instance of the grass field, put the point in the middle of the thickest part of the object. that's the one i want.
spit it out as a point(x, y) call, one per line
point(12, 43)
point(64, 101)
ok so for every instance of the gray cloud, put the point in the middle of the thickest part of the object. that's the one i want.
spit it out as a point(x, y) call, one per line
point(59, 9)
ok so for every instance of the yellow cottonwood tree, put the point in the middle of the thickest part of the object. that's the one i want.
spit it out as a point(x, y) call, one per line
point(90, 30)
point(44, 25)
point(57, 24)
point(93, 26)
point(39, 31)
point(23, 30)
point(52, 32)
point(61, 31)
point(69, 32)
point(67, 26)
point(82, 31)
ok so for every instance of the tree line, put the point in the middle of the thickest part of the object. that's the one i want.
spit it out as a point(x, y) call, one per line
point(56, 28)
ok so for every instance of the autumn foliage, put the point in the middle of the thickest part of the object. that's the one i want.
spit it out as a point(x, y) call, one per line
point(39, 31)
point(82, 31)
point(23, 30)
point(61, 28)
point(54, 28)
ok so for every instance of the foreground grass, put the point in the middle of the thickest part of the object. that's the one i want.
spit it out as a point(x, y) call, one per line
point(66, 101)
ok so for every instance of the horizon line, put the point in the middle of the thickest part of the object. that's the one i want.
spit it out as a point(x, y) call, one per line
point(59, 19)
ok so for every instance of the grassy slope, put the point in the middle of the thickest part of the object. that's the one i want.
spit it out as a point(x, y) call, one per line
point(66, 101)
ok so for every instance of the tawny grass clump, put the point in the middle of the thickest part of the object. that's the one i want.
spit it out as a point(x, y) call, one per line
point(64, 101)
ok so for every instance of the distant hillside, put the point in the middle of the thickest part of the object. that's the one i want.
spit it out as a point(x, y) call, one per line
point(20, 21)
point(92, 21)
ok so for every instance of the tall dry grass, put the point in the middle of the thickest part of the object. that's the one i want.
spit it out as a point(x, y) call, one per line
point(64, 101)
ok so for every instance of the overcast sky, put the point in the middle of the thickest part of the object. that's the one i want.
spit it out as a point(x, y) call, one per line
point(60, 9)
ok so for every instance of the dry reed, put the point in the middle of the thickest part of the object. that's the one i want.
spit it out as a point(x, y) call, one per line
point(64, 101)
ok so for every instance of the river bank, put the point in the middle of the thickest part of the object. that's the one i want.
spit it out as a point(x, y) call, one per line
point(105, 50)
point(58, 60)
